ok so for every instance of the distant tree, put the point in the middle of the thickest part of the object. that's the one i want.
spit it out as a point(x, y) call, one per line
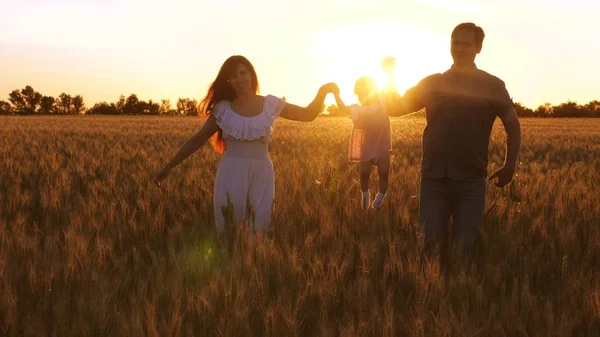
point(594, 108)
point(192, 108)
point(568, 109)
point(64, 104)
point(166, 109)
point(78, 105)
point(150, 108)
point(103, 108)
point(545, 110)
point(26, 101)
point(120, 105)
point(132, 106)
point(17, 101)
point(32, 99)
point(47, 105)
point(523, 111)
point(187, 107)
point(6, 108)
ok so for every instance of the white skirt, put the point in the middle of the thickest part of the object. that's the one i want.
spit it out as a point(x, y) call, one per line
point(245, 186)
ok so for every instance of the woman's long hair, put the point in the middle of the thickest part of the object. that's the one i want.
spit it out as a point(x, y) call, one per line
point(220, 90)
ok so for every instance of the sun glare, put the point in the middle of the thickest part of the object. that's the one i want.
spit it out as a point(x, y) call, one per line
point(354, 51)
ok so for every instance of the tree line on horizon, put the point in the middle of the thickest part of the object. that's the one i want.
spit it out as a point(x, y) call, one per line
point(28, 101)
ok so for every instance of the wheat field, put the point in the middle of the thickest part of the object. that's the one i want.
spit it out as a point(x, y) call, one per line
point(90, 247)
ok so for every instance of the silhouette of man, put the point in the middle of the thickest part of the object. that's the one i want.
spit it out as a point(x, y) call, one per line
point(461, 106)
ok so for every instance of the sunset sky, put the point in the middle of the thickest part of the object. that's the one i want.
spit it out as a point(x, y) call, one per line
point(545, 51)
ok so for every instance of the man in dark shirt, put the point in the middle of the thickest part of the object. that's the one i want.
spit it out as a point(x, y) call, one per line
point(461, 106)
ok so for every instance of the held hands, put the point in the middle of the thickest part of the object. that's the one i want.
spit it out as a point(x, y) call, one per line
point(336, 90)
point(330, 87)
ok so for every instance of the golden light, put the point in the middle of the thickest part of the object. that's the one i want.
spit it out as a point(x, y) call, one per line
point(354, 51)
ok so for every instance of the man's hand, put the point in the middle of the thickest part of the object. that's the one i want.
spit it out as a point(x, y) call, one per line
point(513, 145)
point(503, 176)
point(388, 64)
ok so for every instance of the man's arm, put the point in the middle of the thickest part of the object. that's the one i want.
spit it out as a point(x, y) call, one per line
point(505, 109)
point(401, 106)
point(411, 102)
point(512, 126)
point(508, 115)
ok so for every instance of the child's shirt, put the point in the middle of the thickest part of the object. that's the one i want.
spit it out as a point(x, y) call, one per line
point(371, 132)
point(369, 115)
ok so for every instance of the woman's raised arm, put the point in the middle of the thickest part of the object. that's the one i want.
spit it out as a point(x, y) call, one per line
point(309, 113)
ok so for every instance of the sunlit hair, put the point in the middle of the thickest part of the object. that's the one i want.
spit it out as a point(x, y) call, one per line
point(220, 90)
point(365, 86)
point(471, 27)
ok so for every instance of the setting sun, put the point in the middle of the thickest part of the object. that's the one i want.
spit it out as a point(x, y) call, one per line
point(118, 49)
point(357, 50)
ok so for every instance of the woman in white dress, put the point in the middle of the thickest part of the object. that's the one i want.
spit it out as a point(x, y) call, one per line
point(240, 126)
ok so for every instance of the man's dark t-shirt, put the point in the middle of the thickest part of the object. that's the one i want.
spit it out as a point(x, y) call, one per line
point(461, 107)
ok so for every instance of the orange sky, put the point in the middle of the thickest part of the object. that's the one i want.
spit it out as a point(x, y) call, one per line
point(169, 49)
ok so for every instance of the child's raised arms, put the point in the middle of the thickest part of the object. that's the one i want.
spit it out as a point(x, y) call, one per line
point(341, 106)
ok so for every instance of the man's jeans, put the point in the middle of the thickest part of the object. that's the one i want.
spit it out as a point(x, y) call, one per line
point(463, 200)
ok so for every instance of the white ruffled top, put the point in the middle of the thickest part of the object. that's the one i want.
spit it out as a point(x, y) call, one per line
point(238, 127)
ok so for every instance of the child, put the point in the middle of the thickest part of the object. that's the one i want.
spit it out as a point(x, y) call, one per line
point(370, 142)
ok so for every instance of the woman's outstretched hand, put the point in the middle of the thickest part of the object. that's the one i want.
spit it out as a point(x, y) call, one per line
point(161, 175)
